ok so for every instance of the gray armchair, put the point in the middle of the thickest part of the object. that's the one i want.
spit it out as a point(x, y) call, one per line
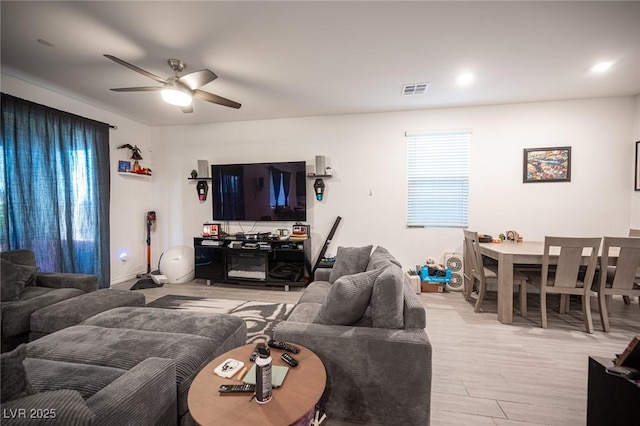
point(24, 291)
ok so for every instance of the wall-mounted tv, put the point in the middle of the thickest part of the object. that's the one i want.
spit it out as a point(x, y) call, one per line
point(259, 191)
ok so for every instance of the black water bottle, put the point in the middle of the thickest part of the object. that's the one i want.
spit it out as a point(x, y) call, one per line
point(263, 375)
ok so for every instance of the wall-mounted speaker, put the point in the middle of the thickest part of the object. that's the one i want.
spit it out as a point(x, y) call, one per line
point(203, 169)
point(320, 165)
point(453, 261)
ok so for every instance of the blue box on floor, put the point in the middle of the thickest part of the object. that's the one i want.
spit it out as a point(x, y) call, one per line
point(424, 276)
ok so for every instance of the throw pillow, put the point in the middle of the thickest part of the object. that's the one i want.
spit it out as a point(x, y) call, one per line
point(381, 258)
point(13, 375)
point(349, 261)
point(387, 299)
point(13, 278)
point(348, 299)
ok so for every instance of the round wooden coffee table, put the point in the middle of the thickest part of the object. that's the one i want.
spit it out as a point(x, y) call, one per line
point(299, 393)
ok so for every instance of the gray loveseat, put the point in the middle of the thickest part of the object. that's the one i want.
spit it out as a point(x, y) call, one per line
point(368, 327)
point(24, 291)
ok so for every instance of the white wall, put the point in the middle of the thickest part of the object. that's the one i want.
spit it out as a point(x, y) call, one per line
point(635, 198)
point(130, 196)
point(367, 154)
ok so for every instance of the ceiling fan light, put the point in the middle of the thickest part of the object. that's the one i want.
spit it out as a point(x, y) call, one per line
point(176, 97)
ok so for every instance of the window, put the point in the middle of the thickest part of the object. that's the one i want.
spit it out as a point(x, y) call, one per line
point(438, 178)
point(54, 186)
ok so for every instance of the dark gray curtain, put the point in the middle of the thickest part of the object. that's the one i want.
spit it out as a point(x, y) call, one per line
point(54, 190)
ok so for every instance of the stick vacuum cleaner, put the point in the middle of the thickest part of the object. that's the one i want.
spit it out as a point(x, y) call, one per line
point(147, 279)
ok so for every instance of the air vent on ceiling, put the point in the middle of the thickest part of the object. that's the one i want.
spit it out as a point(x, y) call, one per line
point(414, 89)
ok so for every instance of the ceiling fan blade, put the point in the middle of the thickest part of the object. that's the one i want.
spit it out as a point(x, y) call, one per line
point(215, 99)
point(187, 109)
point(136, 69)
point(136, 89)
point(197, 79)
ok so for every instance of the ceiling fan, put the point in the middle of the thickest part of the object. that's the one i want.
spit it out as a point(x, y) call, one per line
point(176, 90)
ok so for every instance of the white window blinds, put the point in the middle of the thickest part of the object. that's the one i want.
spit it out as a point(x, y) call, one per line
point(438, 178)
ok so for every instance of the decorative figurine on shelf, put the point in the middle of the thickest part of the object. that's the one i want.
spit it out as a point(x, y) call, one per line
point(194, 174)
point(135, 155)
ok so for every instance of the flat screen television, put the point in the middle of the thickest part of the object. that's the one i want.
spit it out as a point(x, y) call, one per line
point(259, 191)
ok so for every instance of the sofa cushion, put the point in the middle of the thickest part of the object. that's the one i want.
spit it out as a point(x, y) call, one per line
point(77, 309)
point(348, 299)
point(16, 316)
point(13, 278)
point(381, 258)
point(47, 375)
point(305, 312)
point(58, 408)
point(125, 348)
point(19, 257)
point(316, 292)
point(387, 299)
point(349, 261)
point(14, 383)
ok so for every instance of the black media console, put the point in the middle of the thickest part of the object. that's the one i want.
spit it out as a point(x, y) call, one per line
point(258, 261)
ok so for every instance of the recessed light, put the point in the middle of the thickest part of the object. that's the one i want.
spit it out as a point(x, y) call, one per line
point(45, 42)
point(602, 67)
point(465, 78)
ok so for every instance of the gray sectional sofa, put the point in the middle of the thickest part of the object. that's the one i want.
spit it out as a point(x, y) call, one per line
point(25, 291)
point(368, 327)
point(124, 366)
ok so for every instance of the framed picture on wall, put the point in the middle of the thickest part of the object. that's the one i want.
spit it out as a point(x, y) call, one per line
point(124, 166)
point(547, 165)
point(637, 184)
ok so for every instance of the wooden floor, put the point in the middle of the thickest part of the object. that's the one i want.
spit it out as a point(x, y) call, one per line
point(484, 372)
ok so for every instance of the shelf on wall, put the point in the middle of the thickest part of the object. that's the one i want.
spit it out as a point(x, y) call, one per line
point(142, 175)
point(310, 176)
point(202, 178)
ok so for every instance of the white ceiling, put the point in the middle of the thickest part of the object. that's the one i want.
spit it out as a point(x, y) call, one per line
point(292, 59)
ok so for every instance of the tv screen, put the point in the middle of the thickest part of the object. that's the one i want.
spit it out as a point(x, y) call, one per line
point(259, 191)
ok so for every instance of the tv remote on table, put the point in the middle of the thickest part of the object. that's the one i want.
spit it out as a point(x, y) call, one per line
point(237, 388)
point(289, 360)
point(276, 344)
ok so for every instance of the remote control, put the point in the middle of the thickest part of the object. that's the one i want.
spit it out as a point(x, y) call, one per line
point(289, 360)
point(283, 345)
point(237, 388)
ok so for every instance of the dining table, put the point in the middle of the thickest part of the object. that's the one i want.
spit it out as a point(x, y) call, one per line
point(508, 254)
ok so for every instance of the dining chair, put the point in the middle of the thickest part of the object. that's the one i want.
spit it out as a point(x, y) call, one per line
point(567, 276)
point(627, 300)
point(476, 272)
point(620, 280)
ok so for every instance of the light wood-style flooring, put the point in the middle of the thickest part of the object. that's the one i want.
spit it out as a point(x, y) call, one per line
point(485, 372)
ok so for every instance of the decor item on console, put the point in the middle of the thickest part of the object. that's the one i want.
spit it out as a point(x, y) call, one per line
point(366, 324)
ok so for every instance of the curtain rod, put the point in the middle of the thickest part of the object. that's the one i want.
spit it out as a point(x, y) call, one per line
point(111, 126)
